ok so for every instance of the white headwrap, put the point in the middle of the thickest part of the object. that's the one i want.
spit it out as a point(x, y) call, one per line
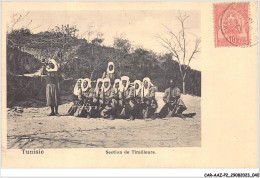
point(116, 81)
point(88, 86)
point(55, 66)
point(110, 71)
point(109, 85)
point(139, 88)
point(97, 89)
point(146, 90)
point(122, 88)
point(76, 88)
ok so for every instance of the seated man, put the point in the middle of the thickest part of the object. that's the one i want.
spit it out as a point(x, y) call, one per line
point(117, 85)
point(107, 100)
point(126, 99)
point(148, 98)
point(77, 98)
point(138, 98)
point(173, 103)
point(96, 98)
point(116, 91)
point(93, 103)
point(86, 86)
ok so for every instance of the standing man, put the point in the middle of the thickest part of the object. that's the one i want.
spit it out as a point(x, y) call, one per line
point(52, 87)
point(110, 72)
point(173, 103)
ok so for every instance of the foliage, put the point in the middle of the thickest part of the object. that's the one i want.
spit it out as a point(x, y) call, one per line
point(22, 32)
point(79, 58)
point(19, 62)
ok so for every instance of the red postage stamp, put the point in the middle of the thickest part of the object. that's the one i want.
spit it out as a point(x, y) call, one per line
point(231, 24)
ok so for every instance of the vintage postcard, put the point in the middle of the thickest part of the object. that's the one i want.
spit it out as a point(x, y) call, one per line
point(129, 84)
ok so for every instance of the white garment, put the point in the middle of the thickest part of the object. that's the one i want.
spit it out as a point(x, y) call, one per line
point(88, 86)
point(97, 89)
point(124, 88)
point(139, 88)
point(109, 85)
point(145, 91)
point(115, 82)
point(110, 71)
point(55, 66)
point(77, 90)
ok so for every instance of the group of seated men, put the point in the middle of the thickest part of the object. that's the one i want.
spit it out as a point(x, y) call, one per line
point(122, 99)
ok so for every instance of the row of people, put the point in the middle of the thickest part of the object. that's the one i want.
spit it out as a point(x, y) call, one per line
point(123, 99)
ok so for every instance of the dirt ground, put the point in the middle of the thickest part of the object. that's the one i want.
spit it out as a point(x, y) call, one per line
point(32, 128)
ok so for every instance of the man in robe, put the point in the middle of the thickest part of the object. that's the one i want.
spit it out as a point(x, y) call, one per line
point(94, 103)
point(138, 98)
point(116, 86)
point(110, 72)
point(116, 90)
point(174, 106)
point(148, 98)
point(108, 101)
point(126, 99)
point(86, 86)
point(76, 98)
point(52, 87)
point(97, 98)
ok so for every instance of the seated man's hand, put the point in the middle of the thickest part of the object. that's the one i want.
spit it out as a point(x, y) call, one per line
point(171, 103)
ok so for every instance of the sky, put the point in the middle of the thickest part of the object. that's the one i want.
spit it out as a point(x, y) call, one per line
point(140, 27)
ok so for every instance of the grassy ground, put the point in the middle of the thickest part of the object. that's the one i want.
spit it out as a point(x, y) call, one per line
point(34, 129)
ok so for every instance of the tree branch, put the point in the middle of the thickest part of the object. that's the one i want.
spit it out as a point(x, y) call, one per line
point(196, 50)
point(175, 36)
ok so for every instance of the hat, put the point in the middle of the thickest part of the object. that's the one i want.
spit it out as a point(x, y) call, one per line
point(52, 66)
point(109, 64)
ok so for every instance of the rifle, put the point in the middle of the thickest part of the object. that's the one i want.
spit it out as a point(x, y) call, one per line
point(87, 101)
point(117, 104)
point(172, 110)
point(104, 98)
point(145, 110)
point(98, 97)
point(142, 97)
point(123, 102)
point(117, 98)
point(137, 98)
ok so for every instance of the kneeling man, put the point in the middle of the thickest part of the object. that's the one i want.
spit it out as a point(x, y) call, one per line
point(108, 102)
point(149, 102)
point(174, 106)
point(126, 99)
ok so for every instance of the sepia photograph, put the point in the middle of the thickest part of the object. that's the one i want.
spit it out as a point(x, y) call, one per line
point(103, 79)
point(129, 85)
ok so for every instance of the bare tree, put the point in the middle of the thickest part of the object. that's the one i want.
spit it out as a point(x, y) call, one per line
point(92, 33)
point(15, 19)
point(180, 46)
